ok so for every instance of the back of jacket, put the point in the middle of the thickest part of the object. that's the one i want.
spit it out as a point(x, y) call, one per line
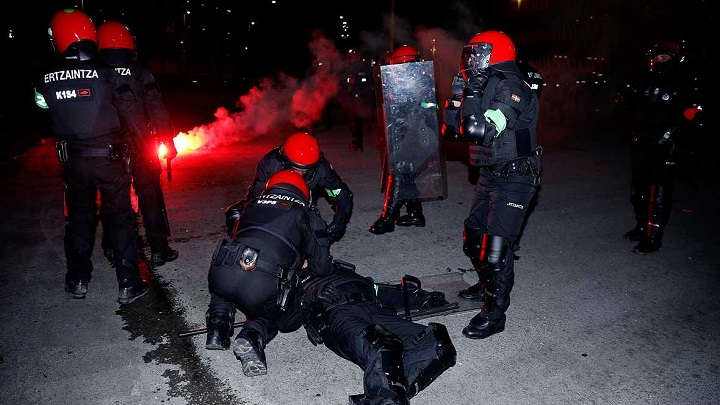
point(85, 100)
point(151, 104)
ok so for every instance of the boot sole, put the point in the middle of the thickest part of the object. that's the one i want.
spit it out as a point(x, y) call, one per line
point(252, 364)
point(481, 336)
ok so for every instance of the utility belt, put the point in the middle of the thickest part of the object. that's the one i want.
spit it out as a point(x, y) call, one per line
point(228, 253)
point(524, 165)
point(114, 152)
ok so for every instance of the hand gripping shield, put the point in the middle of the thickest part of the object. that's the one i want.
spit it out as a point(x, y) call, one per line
point(408, 116)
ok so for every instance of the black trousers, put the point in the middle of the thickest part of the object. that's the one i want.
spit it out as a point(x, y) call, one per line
point(344, 336)
point(146, 173)
point(499, 208)
point(83, 177)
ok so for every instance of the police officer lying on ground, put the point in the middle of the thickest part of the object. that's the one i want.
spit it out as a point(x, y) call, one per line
point(284, 289)
point(301, 153)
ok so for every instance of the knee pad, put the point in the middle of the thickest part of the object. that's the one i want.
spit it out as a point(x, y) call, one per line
point(445, 357)
point(494, 251)
point(390, 350)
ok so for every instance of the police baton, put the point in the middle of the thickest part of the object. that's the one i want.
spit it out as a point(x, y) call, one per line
point(200, 331)
point(169, 169)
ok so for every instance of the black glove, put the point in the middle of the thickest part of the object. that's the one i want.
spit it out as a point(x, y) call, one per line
point(458, 84)
point(449, 129)
point(232, 215)
point(330, 295)
point(335, 231)
point(171, 151)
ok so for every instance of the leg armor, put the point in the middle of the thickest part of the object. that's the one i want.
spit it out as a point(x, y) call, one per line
point(498, 276)
point(472, 247)
point(444, 357)
point(639, 200)
point(659, 210)
point(385, 375)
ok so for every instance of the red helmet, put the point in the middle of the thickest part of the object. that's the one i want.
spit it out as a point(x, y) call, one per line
point(114, 35)
point(301, 150)
point(405, 53)
point(485, 49)
point(287, 177)
point(69, 26)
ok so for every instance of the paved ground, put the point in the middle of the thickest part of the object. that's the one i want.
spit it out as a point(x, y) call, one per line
point(590, 322)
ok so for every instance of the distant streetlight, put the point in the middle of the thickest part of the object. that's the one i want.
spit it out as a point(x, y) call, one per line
point(250, 25)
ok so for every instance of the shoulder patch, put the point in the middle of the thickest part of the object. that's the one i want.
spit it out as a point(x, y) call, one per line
point(515, 98)
point(333, 193)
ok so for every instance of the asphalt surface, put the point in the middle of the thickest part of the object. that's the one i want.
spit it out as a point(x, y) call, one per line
point(590, 322)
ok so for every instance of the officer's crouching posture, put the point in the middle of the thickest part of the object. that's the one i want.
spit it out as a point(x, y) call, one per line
point(276, 233)
point(399, 357)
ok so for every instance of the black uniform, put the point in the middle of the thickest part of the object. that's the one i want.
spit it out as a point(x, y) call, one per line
point(146, 169)
point(322, 180)
point(356, 96)
point(509, 171)
point(399, 357)
point(666, 123)
point(91, 109)
point(274, 235)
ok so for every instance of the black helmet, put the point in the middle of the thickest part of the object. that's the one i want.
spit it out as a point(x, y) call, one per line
point(663, 57)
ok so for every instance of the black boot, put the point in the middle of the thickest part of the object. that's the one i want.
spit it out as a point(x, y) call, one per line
point(160, 257)
point(414, 215)
point(248, 348)
point(219, 331)
point(128, 293)
point(481, 327)
point(386, 222)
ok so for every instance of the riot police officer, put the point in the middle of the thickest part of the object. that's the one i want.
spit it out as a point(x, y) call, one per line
point(277, 239)
point(493, 107)
point(666, 113)
point(93, 152)
point(118, 49)
point(412, 141)
point(301, 152)
point(356, 96)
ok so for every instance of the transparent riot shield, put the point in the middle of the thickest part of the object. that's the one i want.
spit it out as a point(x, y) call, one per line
point(408, 116)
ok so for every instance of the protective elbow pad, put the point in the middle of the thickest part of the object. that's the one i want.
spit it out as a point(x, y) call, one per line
point(473, 131)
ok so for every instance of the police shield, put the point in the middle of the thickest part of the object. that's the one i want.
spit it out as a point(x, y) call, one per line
point(408, 116)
